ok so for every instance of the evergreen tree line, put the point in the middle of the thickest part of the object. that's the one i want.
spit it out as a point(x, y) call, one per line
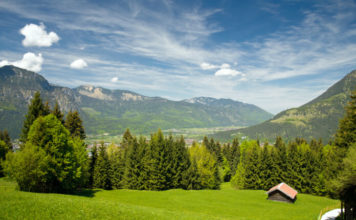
point(160, 163)
point(308, 168)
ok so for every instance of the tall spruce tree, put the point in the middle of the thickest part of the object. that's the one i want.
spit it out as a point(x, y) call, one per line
point(252, 168)
point(235, 155)
point(180, 162)
point(346, 133)
point(265, 171)
point(56, 111)
point(75, 125)
point(295, 162)
point(159, 162)
point(102, 169)
point(92, 162)
point(46, 108)
point(118, 168)
point(280, 161)
point(133, 166)
point(191, 178)
point(35, 109)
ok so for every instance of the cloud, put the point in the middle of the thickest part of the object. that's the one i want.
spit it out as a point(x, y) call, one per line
point(208, 66)
point(270, 8)
point(36, 35)
point(78, 64)
point(227, 72)
point(224, 69)
point(180, 41)
point(114, 79)
point(225, 66)
point(29, 61)
point(4, 63)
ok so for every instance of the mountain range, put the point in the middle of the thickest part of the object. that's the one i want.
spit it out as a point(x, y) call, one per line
point(318, 118)
point(112, 111)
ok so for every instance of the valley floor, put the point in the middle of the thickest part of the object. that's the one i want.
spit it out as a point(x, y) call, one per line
point(226, 203)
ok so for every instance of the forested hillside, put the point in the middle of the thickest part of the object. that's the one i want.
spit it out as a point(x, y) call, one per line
point(318, 118)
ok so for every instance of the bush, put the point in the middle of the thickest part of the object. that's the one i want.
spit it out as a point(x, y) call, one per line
point(50, 160)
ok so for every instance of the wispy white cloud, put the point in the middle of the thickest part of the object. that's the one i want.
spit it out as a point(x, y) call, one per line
point(208, 66)
point(36, 35)
point(320, 43)
point(29, 61)
point(78, 64)
point(177, 51)
point(271, 8)
point(114, 79)
point(227, 72)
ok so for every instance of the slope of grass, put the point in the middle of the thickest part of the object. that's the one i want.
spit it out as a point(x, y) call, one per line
point(226, 203)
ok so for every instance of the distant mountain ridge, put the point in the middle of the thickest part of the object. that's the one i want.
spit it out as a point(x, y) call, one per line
point(112, 111)
point(318, 118)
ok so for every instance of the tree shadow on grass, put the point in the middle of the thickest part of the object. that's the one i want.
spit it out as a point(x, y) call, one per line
point(87, 192)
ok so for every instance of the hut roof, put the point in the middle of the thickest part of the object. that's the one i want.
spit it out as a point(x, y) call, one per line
point(285, 189)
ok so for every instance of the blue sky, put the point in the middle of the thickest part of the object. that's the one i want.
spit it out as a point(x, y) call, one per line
point(275, 54)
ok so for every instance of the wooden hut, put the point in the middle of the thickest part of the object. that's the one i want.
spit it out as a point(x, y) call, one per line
point(282, 192)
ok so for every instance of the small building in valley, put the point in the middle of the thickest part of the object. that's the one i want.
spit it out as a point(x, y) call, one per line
point(282, 192)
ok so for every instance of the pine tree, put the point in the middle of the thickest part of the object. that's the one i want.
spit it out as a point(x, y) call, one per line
point(46, 108)
point(180, 162)
point(133, 166)
point(102, 169)
point(92, 162)
point(235, 155)
point(3, 152)
point(35, 109)
point(118, 169)
point(191, 178)
point(252, 168)
point(4, 136)
point(57, 112)
point(294, 158)
point(346, 133)
point(280, 161)
point(75, 125)
point(207, 143)
point(238, 180)
point(266, 168)
point(126, 138)
point(159, 162)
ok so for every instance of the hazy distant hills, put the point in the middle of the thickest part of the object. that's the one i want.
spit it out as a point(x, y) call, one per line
point(112, 111)
point(318, 118)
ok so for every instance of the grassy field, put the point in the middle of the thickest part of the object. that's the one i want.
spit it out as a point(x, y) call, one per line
point(226, 203)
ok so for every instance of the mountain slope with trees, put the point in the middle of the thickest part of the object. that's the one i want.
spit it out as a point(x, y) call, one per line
point(112, 111)
point(316, 119)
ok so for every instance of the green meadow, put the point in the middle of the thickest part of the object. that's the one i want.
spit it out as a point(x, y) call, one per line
point(226, 203)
